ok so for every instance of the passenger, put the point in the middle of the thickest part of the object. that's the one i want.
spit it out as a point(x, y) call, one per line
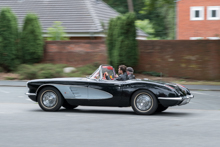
point(130, 72)
point(122, 74)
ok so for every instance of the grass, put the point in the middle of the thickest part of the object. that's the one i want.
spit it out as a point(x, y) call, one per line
point(10, 78)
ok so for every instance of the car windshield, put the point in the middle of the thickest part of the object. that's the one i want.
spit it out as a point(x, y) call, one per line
point(101, 70)
point(109, 70)
point(95, 75)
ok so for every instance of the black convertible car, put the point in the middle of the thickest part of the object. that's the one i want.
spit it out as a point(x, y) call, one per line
point(145, 96)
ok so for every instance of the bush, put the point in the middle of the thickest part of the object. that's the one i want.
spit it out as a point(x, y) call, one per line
point(1, 69)
point(31, 42)
point(83, 71)
point(87, 69)
point(152, 73)
point(8, 38)
point(40, 71)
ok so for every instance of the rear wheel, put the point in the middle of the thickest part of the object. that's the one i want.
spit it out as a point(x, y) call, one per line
point(50, 99)
point(161, 108)
point(144, 102)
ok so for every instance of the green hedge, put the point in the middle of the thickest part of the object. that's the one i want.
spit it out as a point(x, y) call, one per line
point(31, 43)
point(8, 39)
point(121, 41)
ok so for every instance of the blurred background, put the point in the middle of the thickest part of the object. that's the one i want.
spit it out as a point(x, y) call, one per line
point(162, 40)
point(168, 40)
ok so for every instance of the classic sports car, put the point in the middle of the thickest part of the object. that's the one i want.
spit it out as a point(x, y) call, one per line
point(145, 96)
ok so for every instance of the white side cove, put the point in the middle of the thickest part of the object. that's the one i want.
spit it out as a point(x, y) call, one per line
point(82, 92)
point(98, 94)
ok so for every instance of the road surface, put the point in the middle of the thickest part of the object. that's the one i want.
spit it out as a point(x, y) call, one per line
point(24, 124)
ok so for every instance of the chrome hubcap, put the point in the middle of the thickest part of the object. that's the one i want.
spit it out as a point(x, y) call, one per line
point(49, 99)
point(143, 102)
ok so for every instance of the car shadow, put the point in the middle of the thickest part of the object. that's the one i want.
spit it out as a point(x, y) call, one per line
point(98, 111)
point(117, 112)
point(175, 114)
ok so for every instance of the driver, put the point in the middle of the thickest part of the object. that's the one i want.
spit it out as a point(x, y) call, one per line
point(122, 74)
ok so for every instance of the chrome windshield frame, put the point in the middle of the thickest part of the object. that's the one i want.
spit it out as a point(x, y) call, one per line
point(100, 72)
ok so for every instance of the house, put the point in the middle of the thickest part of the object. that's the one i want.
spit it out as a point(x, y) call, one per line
point(82, 19)
point(198, 19)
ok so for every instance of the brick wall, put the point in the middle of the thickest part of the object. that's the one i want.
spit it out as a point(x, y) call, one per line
point(187, 28)
point(198, 59)
point(75, 53)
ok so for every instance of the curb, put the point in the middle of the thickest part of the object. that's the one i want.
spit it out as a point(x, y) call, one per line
point(204, 90)
point(12, 86)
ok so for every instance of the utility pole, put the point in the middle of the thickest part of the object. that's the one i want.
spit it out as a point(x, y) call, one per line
point(130, 6)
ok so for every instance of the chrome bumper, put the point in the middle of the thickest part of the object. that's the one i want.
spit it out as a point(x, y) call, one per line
point(185, 99)
point(31, 94)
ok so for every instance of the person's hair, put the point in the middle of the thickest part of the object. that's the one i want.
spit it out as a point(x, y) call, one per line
point(123, 68)
point(130, 70)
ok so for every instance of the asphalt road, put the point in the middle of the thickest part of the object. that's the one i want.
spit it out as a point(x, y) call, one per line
point(24, 124)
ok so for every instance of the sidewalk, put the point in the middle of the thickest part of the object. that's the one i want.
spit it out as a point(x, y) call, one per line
point(203, 87)
point(4, 83)
point(191, 87)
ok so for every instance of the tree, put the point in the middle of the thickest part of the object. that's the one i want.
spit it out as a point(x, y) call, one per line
point(56, 32)
point(147, 27)
point(8, 38)
point(31, 41)
point(122, 41)
point(122, 7)
point(161, 14)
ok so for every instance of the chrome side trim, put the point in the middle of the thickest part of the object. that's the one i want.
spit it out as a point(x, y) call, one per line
point(33, 94)
point(171, 98)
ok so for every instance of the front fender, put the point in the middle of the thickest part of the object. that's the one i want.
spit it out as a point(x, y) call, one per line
point(157, 90)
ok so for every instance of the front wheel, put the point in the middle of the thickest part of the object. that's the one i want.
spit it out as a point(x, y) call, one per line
point(144, 102)
point(50, 99)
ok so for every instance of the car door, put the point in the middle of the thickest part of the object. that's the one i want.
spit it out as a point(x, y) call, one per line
point(104, 92)
point(79, 92)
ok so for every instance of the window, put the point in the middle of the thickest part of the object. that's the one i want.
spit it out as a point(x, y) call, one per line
point(197, 13)
point(213, 13)
point(213, 38)
point(196, 38)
